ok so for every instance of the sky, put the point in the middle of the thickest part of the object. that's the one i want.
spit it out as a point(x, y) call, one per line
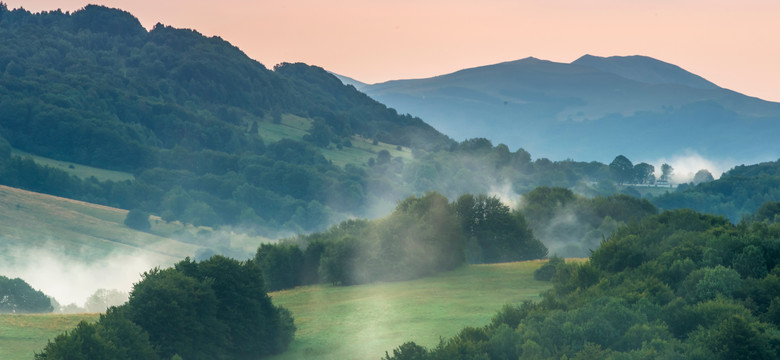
point(735, 44)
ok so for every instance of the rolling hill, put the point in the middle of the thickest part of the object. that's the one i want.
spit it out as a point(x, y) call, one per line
point(592, 109)
point(189, 118)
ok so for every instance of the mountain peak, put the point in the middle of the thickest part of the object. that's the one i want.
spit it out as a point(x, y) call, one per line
point(645, 69)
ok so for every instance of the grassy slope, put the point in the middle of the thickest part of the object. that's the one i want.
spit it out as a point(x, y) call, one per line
point(22, 335)
point(362, 322)
point(80, 230)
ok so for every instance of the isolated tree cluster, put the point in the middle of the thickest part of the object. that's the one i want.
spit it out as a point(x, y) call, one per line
point(213, 309)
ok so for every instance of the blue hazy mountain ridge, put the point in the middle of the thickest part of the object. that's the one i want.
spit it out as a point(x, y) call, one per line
point(591, 109)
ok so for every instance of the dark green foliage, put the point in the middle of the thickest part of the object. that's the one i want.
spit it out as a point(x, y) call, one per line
point(114, 336)
point(281, 264)
point(546, 271)
point(18, 297)
point(622, 169)
point(138, 219)
point(740, 192)
point(646, 293)
point(494, 232)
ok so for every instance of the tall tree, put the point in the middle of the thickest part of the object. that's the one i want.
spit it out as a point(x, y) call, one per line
point(702, 176)
point(622, 169)
point(17, 296)
point(644, 173)
point(666, 172)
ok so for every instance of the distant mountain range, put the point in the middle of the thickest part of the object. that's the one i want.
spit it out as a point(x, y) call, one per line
point(591, 109)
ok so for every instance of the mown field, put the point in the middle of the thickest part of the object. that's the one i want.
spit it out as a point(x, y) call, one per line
point(362, 322)
point(354, 322)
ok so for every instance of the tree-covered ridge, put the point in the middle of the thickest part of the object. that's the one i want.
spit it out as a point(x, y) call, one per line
point(678, 285)
point(181, 112)
point(97, 76)
point(213, 309)
point(187, 114)
point(738, 193)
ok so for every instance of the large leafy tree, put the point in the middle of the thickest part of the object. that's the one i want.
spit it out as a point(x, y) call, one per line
point(494, 232)
point(17, 296)
point(622, 169)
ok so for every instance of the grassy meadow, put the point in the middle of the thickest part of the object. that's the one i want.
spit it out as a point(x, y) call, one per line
point(353, 322)
point(22, 335)
point(362, 322)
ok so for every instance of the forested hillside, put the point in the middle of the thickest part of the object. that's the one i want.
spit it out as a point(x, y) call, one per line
point(738, 193)
point(211, 137)
point(186, 115)
point(678, 285)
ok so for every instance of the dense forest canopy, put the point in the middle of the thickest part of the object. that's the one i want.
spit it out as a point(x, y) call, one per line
point(678, 285)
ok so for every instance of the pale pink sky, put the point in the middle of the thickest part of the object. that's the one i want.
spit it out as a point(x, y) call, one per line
point(735, 44)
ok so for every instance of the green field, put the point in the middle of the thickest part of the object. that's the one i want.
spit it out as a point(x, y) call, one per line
point(22, 335)
point(362, 322)
point(354, 322)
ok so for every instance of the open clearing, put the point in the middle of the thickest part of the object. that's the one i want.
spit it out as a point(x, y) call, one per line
point(362, 322)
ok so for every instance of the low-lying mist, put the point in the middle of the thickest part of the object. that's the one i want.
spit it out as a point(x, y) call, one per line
point(689, 162)
point(71, 281)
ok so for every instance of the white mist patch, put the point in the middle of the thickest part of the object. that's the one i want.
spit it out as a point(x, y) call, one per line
point(71, 282)
point(688, 163)
point(506, 194)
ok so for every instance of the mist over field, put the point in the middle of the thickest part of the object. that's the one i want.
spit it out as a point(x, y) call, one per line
point(70, 281)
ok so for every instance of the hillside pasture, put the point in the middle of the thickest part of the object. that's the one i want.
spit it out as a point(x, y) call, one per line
point(362, 322)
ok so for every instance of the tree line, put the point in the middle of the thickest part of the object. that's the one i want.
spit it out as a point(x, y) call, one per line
point(423, 236)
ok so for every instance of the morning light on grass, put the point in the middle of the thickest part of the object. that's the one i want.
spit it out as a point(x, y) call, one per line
point(362, 322)
point(21, 335)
